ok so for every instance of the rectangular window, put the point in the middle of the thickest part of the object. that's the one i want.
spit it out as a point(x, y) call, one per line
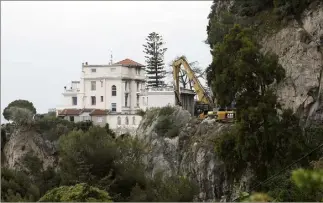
point(93, 85)
point(143, 101)
point(137, 71)
point(101, 83)
point(93, 70)
point(125, 86)
point(113, 69)
point(114, 107)
point(74, 101)
point(137, 100)
point(72, 118)
point(101, 98)
point(137, 86)
point(126, 100)
point(93, 100)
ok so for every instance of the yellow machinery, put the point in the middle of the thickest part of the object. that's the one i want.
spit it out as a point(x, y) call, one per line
point(206, 104)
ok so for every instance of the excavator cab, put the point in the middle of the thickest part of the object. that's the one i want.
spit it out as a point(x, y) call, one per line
point(226, 115)
point(201, 110)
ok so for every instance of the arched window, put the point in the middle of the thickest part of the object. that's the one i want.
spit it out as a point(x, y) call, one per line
point(114, 90)
point(127, 120)
point(119, 120)
point(133, 120)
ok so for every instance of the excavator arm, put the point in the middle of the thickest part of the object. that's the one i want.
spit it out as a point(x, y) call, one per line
point(201, 93)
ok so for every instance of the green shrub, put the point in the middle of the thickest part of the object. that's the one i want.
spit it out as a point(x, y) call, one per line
point(33, 164)
point(51, 128)
point(77, 193)
point(83, 125)
point(166, 126)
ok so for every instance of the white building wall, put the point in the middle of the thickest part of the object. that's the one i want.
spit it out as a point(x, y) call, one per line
point(113, 99)
point(161, 100)
point(133, 121)
point(106, 91)
point(154, 98)
point(102, 71)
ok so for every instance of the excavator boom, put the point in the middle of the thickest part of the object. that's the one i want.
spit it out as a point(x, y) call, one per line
point(201, 93)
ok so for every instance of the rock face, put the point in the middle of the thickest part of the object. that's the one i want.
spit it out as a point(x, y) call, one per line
point(191, 153)
point(22, 142)
point(297, 48)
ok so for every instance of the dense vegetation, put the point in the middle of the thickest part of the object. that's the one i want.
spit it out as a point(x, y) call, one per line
point(94, 165)
point(266, 138)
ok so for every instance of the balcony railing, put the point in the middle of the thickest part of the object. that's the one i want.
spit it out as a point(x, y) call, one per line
point(71, 90)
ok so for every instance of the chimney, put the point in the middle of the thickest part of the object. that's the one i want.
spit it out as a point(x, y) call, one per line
point(64, 87)
point(86, 63)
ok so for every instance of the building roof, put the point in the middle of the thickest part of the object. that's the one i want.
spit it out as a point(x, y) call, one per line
point(76, 112)
point(70, 112)
point(129, 62)
point(98, 112)
point(86, 110)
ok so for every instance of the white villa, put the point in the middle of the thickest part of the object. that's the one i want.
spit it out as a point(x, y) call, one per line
point(112, 94)
point(105, 94)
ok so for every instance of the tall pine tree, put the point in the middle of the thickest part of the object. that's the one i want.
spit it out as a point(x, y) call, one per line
point(155, 68)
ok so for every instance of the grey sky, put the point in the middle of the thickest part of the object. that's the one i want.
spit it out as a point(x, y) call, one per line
point(43, 44)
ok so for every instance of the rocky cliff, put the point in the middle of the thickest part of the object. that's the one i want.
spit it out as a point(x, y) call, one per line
point(191, 153)
point(297, 48)
point(23, 141)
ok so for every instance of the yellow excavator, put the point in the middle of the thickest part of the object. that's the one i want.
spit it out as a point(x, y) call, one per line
point(204, 107)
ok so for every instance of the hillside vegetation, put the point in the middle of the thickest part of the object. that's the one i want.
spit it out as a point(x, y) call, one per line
point(266, 137)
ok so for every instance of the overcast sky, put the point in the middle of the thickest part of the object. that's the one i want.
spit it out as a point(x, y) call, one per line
point(43, 44)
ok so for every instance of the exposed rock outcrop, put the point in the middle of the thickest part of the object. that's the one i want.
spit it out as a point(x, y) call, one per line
point(191, 153)
point(21, 142)
point(297, 48)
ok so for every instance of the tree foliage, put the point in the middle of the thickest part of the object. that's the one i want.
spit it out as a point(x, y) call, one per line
point(311, 182)
point(19, 104)
point(77, 193)
point(112, 164)
point(87, 155)
point(219, 25)
point(240, 72)
point(262, 137)
point(165, 189)
point(304, 185)
point(20, 116)
point(16, 186)
point(154, 51)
